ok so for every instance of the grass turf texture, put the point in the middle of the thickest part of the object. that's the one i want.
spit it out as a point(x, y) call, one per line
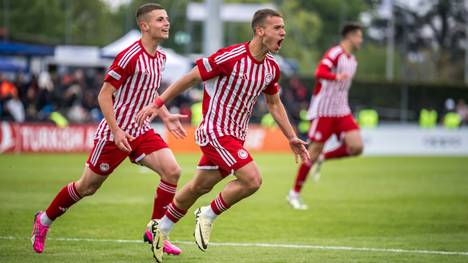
point(375, 202)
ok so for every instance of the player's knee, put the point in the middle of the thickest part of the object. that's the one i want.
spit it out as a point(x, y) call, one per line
point(253, 183)
point(171, 174)
point(87, 190)
point(356, 149)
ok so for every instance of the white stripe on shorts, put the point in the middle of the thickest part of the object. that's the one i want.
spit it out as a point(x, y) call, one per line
point(97, 151)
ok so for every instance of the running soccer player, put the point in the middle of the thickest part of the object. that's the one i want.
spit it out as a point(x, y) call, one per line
point(129, 85)
point(329, 110)
point(233, 78)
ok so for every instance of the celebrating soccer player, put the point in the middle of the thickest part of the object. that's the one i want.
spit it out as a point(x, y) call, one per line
point(329, 110)
point(233, 78)
point(129, 85)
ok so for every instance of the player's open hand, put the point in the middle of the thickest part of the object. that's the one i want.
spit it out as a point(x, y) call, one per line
point(299, 148)
point(341, 76)
point(172, 122)
point(122, 139)
point(147, 113)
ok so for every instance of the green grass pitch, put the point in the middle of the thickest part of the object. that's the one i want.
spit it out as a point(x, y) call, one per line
point(384, 203)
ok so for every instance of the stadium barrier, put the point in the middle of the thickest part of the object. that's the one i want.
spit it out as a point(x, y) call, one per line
point(47, 138)
point(384, 140)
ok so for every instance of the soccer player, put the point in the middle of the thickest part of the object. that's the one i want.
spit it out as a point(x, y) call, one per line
point(129, 85)
point(233, 78)
point(329, 110)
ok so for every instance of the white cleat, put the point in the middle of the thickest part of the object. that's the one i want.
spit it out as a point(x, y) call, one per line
point(316, 168)
point(203, 229)
point(296, 202)
point(157, 245)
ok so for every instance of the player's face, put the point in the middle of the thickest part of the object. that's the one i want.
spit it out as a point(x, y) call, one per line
point(356, 39)
point(157, 24)
point(273, 33)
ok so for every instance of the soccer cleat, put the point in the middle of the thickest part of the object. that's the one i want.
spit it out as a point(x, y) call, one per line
point(39, 233)
point(203, 229)
point(168, 248)
point(316, 168)
point(295, 200)
point(157, 243)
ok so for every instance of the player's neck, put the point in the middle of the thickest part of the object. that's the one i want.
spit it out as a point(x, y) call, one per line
point(347, 46)
point(150, 45)
point(257, 50)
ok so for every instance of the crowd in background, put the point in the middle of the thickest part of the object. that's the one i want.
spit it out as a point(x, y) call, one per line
point(34, 98)
point(73, 94)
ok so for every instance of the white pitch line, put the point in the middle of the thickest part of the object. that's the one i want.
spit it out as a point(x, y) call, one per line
point(271, 245)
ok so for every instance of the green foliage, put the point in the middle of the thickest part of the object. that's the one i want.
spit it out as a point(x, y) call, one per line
point(374, 202)
point(37, 21)
point(61, 21)
point(303, 28)
point(333, 14)
point(371, 59)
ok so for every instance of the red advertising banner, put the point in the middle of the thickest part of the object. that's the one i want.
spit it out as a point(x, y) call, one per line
point(15, 137)
point(48, 138)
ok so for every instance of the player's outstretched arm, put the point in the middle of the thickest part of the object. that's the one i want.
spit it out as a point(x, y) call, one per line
point(172, 122)
point(121, 138)
point(277, 110)
point(184, 83)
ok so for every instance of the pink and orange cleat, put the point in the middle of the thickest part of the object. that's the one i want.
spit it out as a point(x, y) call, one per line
point(39, 233)
point(168, 248)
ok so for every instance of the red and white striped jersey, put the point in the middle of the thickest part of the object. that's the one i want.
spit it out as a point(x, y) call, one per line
point(233, 80)
point(330, 97)
point(136, 75)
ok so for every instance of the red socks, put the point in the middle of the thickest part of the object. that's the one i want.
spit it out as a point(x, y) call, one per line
point(164, 195)
point(174, 213)
point(218, 205)
point(64, 199)
point(302, 176)
point(339, 152)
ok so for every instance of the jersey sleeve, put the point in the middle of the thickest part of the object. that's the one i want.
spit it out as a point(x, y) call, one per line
point(164, 59)
point(324, 68)
point(212, 66)
point(273, 87)
point(119, 71)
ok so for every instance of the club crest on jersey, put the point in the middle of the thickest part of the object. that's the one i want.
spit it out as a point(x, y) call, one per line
point(104, 167)
point(242, 154)
point(318, 135)
point(268, 78)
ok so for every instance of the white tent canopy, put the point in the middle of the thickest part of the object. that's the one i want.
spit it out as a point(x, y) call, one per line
point(176, 65)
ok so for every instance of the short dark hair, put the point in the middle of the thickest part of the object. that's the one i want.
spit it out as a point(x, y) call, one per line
point(145, 9)
point(350, 27)
point(260, 16)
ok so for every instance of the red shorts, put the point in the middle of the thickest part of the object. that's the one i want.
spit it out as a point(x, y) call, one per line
point(225, 154)
point(322, 128)
point(105, 156)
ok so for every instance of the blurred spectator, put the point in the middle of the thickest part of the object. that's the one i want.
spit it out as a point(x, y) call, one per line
point(451, 119)
point(462, 110)
point(11, 105)
point(44, 102)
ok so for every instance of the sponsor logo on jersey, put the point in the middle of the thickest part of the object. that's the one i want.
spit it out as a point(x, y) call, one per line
point(244, 76)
